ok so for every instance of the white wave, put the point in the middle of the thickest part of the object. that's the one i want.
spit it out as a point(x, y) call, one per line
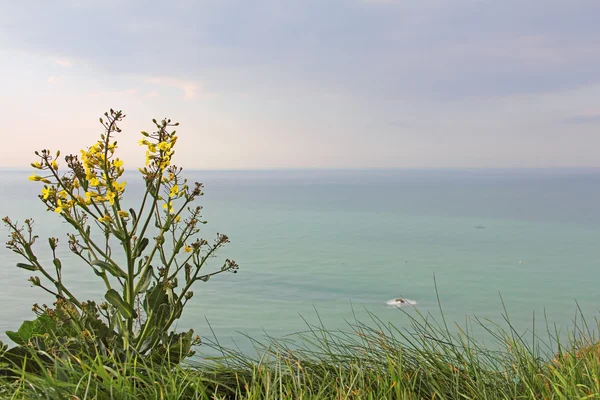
point(401, 302)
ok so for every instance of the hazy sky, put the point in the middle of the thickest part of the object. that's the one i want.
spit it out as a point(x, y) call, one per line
point(308, 84)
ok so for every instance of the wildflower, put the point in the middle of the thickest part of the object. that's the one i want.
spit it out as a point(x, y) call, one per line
point(187, 249)
point(36, 165)
point(63, 194)
point(178, 218)
point(59, 206)
point(110, 196)
point(143, 142)
point(174, 191)
point(54, 164)
point(164, 146)
point(34, 177)
point(119, 187)
point(105, 218)
point(46, 191)
point(123, 214)
point(94, 181)
point(118, 163)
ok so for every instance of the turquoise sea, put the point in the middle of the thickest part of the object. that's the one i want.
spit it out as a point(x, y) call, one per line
point(345, 242)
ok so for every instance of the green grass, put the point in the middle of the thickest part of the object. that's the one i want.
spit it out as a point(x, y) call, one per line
point(366, 361)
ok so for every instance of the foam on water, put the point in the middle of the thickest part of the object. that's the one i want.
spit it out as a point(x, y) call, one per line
point(401, 302)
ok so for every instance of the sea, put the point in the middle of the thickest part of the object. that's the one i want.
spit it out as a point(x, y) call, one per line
point(333, 247)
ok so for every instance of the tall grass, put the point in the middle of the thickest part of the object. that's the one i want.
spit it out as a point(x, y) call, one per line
point(373, 360)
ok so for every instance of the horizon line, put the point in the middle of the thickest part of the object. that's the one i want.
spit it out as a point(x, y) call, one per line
point(283, 169)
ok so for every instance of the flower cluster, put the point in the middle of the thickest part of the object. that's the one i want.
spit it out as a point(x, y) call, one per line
point(159, 146)
point(92, 181)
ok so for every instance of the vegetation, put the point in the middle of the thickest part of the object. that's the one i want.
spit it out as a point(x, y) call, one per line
point(374, 361)
point(147, 259)
point(126, 348)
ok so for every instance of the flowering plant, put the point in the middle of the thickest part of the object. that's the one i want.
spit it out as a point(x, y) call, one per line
point(149, 280)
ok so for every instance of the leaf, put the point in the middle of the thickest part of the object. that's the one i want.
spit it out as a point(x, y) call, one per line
point(141, 246)
point(28, 329)
point(125, 309)
point(112, 269)
point(145, 280)
point(27, 267)
point(133, 215)
point(168, 221)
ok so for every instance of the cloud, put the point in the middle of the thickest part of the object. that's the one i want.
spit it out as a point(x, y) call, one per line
point(53, 79)
point(115, 93)
point(431, 49)
point(586, 117)
point(63, 62)
point(152, 94)
point(190, 88)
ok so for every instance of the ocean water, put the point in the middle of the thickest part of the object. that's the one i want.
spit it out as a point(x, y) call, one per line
point(337, 245)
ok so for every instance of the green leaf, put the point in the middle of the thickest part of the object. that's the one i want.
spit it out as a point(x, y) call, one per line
point(27, 267)
point(154, 298)
point(145, 280)
point(112, 269)
point(28, 329)
point(141, 246)
point(133, 215)
point(115, 299)
point(168, 221)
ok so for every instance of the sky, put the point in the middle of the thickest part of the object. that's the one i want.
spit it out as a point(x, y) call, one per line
point(275, 84)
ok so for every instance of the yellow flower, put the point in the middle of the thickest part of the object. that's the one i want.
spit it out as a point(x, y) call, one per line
point(36, 165)
point(54, 164)
point(164, 146)
point(59, 207)
point(34, 177)
point(96, 148)
point(119, 187)
point(105, 218)
point(152, 148)
point(94, 181)
point(63, 194)
point(46, 191)
point(110, 196)
point(147, 158)
point(143, 142)
point(75, 183)
point(123, 214)
point(174, 191)
point(169, 206)
point(178, 218)
point(118, 163)
point(187, 249)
